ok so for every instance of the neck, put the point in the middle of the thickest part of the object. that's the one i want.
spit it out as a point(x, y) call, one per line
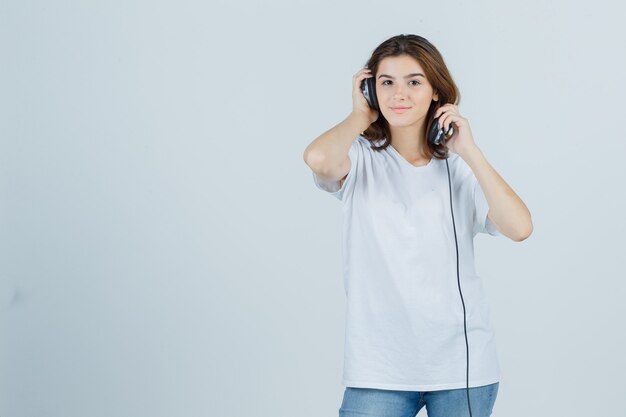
point(409, 140)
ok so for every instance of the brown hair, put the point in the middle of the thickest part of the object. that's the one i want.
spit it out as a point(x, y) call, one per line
point(436, 73)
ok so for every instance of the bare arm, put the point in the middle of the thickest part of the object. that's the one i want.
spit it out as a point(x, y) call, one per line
point(327, 155)
point(506, 210)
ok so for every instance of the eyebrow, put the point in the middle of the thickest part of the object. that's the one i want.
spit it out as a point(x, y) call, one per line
point(417, 74)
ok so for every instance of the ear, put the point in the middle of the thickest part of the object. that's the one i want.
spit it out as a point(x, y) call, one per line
point(435, 97)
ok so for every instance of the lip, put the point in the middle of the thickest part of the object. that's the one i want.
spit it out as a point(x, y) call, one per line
point(399, 110)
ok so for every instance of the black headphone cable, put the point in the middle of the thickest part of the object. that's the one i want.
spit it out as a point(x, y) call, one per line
point(459, 283)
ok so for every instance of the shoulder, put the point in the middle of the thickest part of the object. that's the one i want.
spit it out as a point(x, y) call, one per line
point(360, 145)
point(362, 141)
point(458, 161)
point(367, 143)
point(459, 169)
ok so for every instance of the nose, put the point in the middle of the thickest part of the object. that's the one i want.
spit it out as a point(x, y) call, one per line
point(399, 93)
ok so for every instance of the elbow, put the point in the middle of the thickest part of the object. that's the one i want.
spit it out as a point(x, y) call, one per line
point(313, 160)
point(305, 156)
point(308, 157)
point(525, 232)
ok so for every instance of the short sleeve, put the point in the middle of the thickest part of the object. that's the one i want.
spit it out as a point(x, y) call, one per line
point(332, 187)
point(482, 224)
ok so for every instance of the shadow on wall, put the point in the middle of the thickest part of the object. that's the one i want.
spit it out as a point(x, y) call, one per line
point(10, 297)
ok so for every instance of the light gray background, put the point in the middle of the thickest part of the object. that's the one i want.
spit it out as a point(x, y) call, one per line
point(164, 251)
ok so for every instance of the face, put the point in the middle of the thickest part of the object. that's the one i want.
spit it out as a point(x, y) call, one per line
point(396, 86)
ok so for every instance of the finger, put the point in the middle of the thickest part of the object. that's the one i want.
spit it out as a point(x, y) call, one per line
point(452, 118)
point(365, 71)
point(442, 116)
point(442, 109)
point(362, 77)
point(442, 121)
point(447, 120)
point(361, 71)
point(358, 79)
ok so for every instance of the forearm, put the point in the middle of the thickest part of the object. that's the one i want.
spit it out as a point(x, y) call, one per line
point(506, 209)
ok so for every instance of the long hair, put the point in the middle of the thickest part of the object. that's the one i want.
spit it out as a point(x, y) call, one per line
point(436, 73)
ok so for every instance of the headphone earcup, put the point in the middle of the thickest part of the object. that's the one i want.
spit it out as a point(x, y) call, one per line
point(435, 133)
point(368, 86)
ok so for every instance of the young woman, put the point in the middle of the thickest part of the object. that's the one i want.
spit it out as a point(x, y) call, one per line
point(411, 210)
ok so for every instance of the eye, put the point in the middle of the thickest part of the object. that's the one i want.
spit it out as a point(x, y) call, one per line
point(418, 83)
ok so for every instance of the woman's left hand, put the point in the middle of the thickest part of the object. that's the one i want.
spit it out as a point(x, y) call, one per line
point(461, 142)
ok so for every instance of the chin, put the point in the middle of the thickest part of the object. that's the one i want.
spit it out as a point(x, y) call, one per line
point(400, 122)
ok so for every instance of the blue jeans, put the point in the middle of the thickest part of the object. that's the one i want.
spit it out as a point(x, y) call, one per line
point(361, 402)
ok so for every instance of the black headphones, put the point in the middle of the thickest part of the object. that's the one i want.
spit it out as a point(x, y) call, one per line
point(435, 137)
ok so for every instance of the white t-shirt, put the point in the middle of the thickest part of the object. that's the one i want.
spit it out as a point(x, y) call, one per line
point(404, 317)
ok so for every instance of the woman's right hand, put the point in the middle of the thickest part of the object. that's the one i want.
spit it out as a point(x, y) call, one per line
point(360, 106)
